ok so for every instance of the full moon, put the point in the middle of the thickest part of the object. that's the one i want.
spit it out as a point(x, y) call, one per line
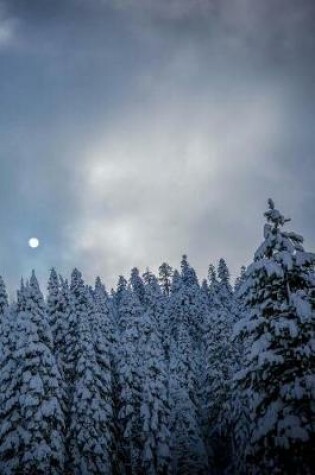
point(33, 242)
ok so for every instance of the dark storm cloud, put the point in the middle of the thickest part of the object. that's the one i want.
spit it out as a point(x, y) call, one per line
point(135, 130)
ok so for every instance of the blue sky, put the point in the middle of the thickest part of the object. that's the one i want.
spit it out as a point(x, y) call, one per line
point(133, 131)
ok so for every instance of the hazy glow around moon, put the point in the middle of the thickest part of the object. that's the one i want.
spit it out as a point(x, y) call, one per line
point(33, 242)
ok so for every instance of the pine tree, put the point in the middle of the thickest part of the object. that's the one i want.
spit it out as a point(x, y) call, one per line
point(107, 318)
point(58, 313)
point(213, 284)
point(165, 278)
point(279, 375)
point(137, 284)
point(240, 279)
point(156, 302)
point(187, 313)
point(154, 408)
point(218, 357)
point(225, 289)
point(32, 424)
point(3, 297)
point(130, 374)
point(90, 426)
point(121, 287)
point(108, 322)
point(240, 403)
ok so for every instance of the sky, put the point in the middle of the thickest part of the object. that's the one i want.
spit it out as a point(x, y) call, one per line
point(133, 131)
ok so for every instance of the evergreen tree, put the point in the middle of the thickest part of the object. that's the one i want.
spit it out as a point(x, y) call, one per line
point(187, 313)
point(240, 403)
point(225, 289)
point(155, 302)
point(21, 300)
point(3, 297)
point(121, 287)
point(165, 278)
point(240, 279)
point(107, 318)
point(213, 284)
point(137, 284)
point(130, 374)
point(90, 425)
point(154, 408)
point(32, 424)
point(58, 311)
point(52, 297)
point(278, 378)
point(218, 357)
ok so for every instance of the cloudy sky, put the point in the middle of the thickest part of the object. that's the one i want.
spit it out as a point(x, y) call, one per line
point(132, 131)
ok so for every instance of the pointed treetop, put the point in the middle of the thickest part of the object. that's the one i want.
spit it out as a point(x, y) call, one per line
point(137, 284)
point(165, 276)
point(53, 275)
point(3, 296)
point(122, 284)
point(53, 283)
point(240, 279)
point(274, 216)
point(76, 280)
point(99, 286)
point(147, 275)
point(121, 288)
point(21, 298)
point(33, 286)
point(212, 275)
point(223, 271)
point(33, 291)
point(33, 280)
point(188, 273)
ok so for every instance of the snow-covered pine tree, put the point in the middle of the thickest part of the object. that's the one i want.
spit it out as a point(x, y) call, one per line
point(32, 423)
point(240, 404)
point(186, 314)
point(130, 374)
point(154, 409)
point(225, 288)
point(191, 309)
point(213, 284)
point(58, 311)
point(156, 302)
point(137, 284)
point(21, 300)
point(62, 321)
point(165, 278)
point(218, 357)
point(279, 375)
point(104, 307)
point(121, 287)
point(240, 279)
point(3, 297)
point(90, 425)
point(108, 318)
point(52, 297)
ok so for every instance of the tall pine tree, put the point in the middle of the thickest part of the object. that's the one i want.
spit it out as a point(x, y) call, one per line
point(279, 375)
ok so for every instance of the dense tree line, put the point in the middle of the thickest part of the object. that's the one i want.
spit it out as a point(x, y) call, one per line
point(164, 375)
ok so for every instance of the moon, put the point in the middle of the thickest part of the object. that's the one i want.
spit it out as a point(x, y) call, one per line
point(33, 242)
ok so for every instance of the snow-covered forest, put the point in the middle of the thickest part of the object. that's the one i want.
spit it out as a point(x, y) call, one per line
point(164, 374)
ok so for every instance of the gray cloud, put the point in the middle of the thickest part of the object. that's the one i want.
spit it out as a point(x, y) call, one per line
point(7, 27)
point(132, 132)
